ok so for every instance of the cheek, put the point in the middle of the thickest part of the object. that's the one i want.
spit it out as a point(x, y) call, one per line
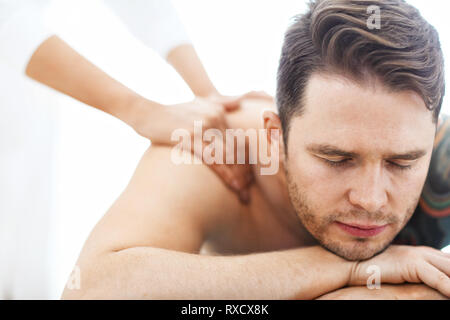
point(405, 197)
point(407, 187)
point(321, 186)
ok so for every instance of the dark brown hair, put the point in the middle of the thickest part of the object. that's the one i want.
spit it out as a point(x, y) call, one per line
point(333, 36)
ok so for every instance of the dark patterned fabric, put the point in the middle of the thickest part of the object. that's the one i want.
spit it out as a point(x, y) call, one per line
point(430, 223)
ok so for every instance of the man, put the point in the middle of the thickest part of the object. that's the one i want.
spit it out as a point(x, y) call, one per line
point(29, 47)
point(358, 112)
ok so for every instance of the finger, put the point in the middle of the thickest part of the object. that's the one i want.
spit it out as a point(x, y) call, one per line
point(236, 176)
point(224, 172)
point(435, 279)
point(215, 119)
point(440, 262)
point(232, 104)
point(240, 173)
point(229, 107)
point(258, 94)
point(222, 123)
point(226, 176)
point(247, 174)
point(249, 177)
point(244, 196)
point(241, 169)
point(228, 102)
point(231, 172)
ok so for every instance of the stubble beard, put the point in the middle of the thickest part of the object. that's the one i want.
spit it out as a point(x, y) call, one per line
point(358, 249)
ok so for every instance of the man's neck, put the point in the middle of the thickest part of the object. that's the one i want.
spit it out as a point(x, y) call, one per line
point(273, 187)
point(275, 191)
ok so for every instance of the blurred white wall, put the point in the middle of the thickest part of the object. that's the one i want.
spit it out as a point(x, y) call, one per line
point(239, 43)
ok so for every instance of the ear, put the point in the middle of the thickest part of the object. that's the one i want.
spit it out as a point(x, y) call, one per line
point(273, 122)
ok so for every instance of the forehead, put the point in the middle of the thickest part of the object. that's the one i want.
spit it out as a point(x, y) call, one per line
point(367, 115)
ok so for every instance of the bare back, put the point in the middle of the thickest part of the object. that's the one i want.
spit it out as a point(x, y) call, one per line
point(188, 208)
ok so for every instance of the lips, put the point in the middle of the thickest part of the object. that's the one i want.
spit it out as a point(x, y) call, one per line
point(358, 230)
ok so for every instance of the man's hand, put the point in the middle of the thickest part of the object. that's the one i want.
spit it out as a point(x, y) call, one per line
point(157, 123)
point(400, 264)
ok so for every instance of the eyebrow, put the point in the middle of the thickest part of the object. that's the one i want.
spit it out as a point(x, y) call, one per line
point(330, 150)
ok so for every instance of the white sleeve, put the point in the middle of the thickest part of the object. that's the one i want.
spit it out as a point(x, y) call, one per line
point(22, 30)
point(154, 22)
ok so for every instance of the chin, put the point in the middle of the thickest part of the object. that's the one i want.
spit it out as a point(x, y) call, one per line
point(355, 250)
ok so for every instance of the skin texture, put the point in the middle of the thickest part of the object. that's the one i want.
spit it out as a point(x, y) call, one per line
point(369, 189)
point(191, 238)
point(386, 292)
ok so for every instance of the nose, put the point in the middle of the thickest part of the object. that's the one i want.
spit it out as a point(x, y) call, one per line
point(368, 191)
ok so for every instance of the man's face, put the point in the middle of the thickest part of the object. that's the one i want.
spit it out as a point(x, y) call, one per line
point(356, 164)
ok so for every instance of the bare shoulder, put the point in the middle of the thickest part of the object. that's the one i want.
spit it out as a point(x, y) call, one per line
point(165, 205)
point(161, 165)
point(249, 116)
point(170, 205)
point(190, 184)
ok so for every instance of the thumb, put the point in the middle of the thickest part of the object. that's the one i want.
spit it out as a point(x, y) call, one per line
point(231, 105)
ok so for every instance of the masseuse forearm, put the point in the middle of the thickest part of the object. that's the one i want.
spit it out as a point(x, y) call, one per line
point(188, 65)
point(60, 67)
point(152, 273)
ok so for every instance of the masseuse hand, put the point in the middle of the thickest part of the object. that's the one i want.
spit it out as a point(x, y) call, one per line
point(58, 66)
point(157, 122)
point(400, 264)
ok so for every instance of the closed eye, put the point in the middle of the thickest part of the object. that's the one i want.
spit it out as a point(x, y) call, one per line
point(399, 166)
point(336, 163)
point(344, 162)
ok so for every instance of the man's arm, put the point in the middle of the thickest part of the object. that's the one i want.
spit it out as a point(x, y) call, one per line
point(386, 292)
point(147, 245)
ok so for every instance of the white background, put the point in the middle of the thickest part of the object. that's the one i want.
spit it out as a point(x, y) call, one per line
point(239, 43)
